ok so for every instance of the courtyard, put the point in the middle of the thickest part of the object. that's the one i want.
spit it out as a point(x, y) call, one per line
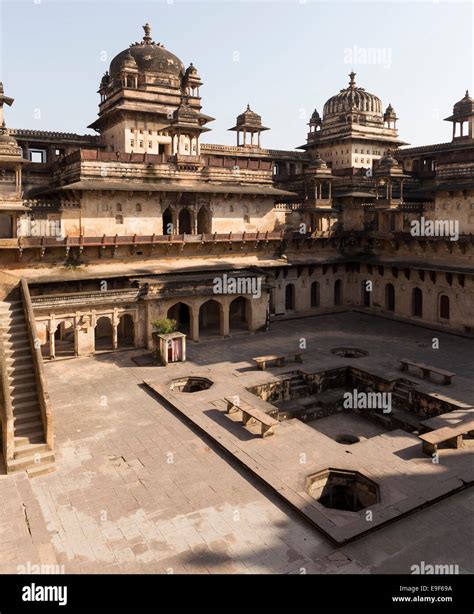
point(139, 489)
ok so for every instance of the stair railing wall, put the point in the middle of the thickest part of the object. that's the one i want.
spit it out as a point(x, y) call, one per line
point(8, 433)
point(43, 396)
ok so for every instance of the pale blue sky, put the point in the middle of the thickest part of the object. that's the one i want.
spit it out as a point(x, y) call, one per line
point(284, 58)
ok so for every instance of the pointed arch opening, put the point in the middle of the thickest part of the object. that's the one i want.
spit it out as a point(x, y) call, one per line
point(210, 319)
point(417, 303)
point(103, 334)
point(126, 331)
point(204, 221)
point(239, 314)
point(444, 307)
point(315, 295)
point(390, 297)
point(338, 292)
point(184, 222)
point(167, 222)
point(182, 314)
point(290, 297)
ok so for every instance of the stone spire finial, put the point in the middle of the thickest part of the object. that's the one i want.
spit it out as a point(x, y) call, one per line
point(4, 100)
point(352, 74)
point(147, 30)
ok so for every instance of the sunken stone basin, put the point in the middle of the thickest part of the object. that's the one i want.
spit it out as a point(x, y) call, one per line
point(342, 490)
point(349, 352)
point(190, 384)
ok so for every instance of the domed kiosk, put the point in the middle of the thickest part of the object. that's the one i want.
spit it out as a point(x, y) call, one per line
point(354, 129)
point(144, 86)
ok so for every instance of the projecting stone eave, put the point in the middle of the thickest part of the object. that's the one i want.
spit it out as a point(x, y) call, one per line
point(168, 186)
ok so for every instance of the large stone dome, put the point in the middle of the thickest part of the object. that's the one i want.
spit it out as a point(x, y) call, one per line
point(149, 57)
point(351, 99)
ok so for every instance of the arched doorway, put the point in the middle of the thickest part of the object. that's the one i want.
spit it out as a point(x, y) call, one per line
point(417, 303)
point(290, 297)
point(210, 319)
point(204, 225)
point(103, 334)
point(390, 297)
point(64, 339)
point(239, 314)
point(366, 284)
point(181, 313)
point(167, 222)
point(126, 331)
point(338, 292)
point(184, 222)
point(444, 307)
point(315, 295)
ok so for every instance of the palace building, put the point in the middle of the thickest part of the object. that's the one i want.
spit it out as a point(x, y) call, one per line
point(100, 235)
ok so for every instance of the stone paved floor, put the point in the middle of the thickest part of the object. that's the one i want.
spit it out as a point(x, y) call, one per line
point(136, 490)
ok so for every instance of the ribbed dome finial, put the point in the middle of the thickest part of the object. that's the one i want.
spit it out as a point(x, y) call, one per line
point(147, 30)
point(352, 75)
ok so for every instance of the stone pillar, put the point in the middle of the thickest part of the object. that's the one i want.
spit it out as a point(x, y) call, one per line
point(52, 346)
point(225, 320)
point(194, 324)
point(114, 335)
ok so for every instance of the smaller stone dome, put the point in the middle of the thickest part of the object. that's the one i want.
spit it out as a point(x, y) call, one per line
point(315, 119)
point(388, 161)
point(318, 162)
point(104, 82)
point(191, 70)
point(249, 117)
point(128, 61)
point(463, 106)
point(6, 138)
point(389, 113)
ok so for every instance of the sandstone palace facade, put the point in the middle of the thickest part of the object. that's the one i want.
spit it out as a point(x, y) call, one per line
point(100, 235)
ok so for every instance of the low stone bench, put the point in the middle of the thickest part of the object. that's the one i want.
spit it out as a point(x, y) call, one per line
point(427, 370)
point(279, 359)
point(267, 423)
point(451, 435)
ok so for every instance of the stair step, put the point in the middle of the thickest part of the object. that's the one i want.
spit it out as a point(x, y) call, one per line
point(23, 440)
point(404, 385)
point(29, 449)
point(24, 405)
point(17, 350)
point(23, 376)
point(26, 417)
point(11, 310)
point(8, 321)
point(27, 407)
point(23, 396)
point(17, 360)
point(22, 386)
point(14, 333)
point(42, 469)
point(18, 342)
point(28, 428)
point(299, 386)
point(19, 366)
point(402, 393)
point(30, 461)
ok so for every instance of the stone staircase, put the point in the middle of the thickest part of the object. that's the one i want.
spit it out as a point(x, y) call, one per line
point(31, 452)
point(401, 392)
point(298, 387)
